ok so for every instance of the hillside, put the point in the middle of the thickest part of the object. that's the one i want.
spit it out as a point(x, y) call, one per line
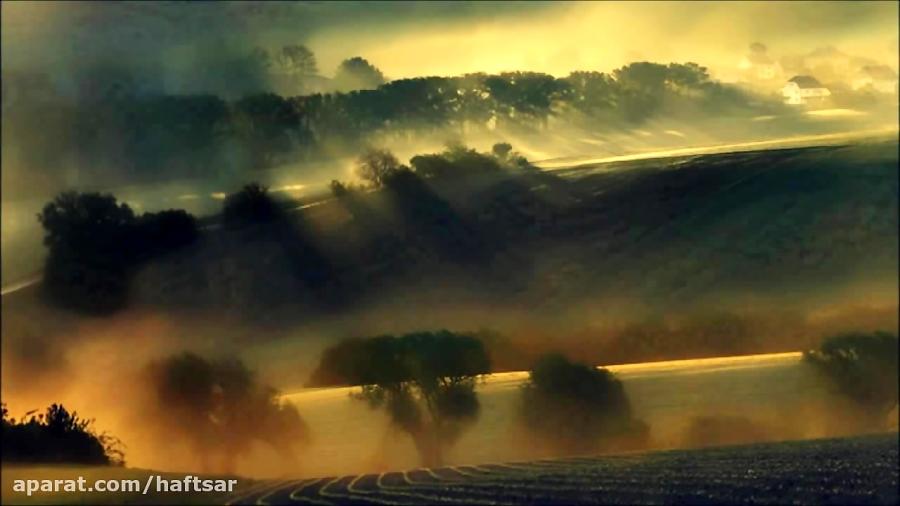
point(789, 224)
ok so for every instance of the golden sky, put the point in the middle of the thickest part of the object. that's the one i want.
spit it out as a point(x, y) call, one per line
point(407, 39)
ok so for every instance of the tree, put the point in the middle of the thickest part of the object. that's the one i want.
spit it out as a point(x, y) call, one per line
point(577, 407)
point(89, 259)
point(95, 244)
point(297, 64)
point(863, 369)
point(501, 150)
point(269, 128)
point(297, 59)
point(456, 160)
point(434, 165)
point(251, 205)
point(424, 380)
point(338, 189)
point(375, 166)
point(219, 408)
point(165, 231)
point(357, 74)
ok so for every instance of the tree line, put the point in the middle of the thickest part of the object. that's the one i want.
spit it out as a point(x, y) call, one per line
point(133, 136)
point(426, 383)
point(96, 244)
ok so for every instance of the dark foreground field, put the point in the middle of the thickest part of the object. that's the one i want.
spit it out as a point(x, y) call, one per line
point(862, 470)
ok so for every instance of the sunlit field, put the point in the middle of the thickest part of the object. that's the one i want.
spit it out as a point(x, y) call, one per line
point(777, 392)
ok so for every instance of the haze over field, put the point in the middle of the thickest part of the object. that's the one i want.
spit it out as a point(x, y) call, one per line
point(214, 216)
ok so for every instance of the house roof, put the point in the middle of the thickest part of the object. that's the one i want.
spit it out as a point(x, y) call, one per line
point(806, 82)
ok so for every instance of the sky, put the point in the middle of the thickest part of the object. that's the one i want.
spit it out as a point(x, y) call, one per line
point(408, 39)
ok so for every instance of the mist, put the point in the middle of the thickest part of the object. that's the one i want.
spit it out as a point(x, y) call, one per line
point(669, 205)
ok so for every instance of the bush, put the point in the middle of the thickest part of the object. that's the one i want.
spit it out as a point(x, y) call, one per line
point(57, 437)
point(863, 369)
point(577, 407)
point(424, 380)
point(252, 204)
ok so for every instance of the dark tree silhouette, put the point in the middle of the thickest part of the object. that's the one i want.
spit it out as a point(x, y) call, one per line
point(219, 409)
point(338, 189)
point(251, 205)
point(130, 134)
point(501, 150)
point(269, 127)
point(89, 258)
point(457, 160)
point(375, 166)
point(157, 233)
point(578, 408)
point(297, 59)
point(95, 243)
point(424, 380)
point(863, 369)
point(294, 66)
point(56, 437)
point(357, 74)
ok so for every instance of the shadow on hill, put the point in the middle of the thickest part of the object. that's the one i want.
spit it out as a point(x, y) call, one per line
point(432, 221)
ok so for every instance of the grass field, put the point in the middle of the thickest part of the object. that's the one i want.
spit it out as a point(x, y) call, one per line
point(859, 470)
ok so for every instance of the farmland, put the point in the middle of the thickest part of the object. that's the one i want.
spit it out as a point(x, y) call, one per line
point(860, 470)
point(773, 396)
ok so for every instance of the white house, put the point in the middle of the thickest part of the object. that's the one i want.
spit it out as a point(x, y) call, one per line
point(804, 90)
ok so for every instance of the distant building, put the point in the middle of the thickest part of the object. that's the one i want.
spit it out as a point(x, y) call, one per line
point(804, 90)
point(877, 77)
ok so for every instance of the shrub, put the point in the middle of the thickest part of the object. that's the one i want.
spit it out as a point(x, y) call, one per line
point(57, 437)
point(576, 406)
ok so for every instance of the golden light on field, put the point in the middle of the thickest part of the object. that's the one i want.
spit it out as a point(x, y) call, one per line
point(773, 390)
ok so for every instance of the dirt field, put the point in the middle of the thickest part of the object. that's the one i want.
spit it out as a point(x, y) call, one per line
point(859, 470)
